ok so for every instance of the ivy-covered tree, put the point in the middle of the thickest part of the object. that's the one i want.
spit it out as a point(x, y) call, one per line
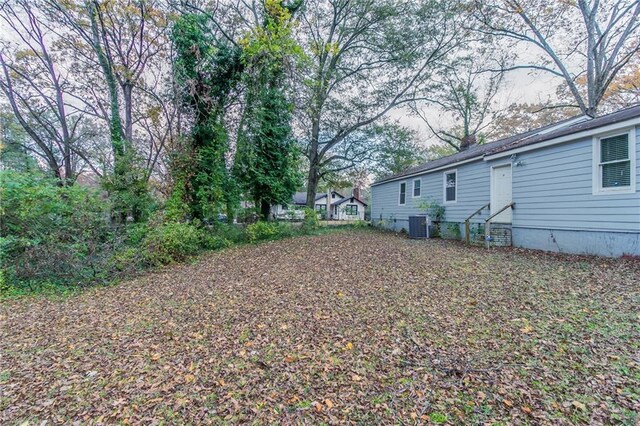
point(267, 160)
point(207, 70)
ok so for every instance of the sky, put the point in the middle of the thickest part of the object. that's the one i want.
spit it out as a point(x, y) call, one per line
point(519, 86)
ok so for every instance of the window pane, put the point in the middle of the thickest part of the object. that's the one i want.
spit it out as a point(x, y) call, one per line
point(616, 174)
point(450, 187)
point(451, 194)
point(416, 188)
point(403, 192)
point(351, 210)
point(614, 148)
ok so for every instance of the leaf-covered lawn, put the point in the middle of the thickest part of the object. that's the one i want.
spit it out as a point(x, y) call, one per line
point(348, 327)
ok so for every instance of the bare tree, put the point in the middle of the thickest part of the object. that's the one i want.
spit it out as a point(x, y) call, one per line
point(466, 92)
point(120, 39)
point(35, 85)
point(586, 39)
point(367, 57)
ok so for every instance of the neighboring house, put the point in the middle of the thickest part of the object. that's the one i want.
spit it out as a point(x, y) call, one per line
point(293, 210)
point(349, 208)
point(574, 185)
point(338, 206)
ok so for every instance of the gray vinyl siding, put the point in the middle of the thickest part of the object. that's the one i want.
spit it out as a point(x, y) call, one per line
point(553, 189)
point(473, 192)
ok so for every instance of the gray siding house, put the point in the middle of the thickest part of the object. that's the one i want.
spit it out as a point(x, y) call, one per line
point(573, 185)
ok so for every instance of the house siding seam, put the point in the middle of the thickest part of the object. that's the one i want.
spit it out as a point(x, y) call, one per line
point(552, 189)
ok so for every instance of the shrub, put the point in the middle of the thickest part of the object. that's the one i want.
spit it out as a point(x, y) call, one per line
point(311, 222)
point(215, 242)
point(361, 224)
point(262, 231)
point(172, 242)
point(229, 232)
point(52, 233)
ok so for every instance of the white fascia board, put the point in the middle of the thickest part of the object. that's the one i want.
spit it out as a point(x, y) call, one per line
point(426, 172)
point(567, 138)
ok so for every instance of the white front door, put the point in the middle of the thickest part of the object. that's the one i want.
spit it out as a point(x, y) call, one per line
point(501, 193)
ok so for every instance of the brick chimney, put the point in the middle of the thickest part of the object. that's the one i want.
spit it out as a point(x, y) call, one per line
point(356, 192)
point(467, 141)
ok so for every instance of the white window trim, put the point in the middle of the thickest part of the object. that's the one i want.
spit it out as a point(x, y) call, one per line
point(444, 186)
point(597, 188)
point(400, 192)
point(413, 188)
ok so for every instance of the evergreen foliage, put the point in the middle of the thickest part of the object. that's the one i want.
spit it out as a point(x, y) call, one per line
point(206, 70)
point(267, 162)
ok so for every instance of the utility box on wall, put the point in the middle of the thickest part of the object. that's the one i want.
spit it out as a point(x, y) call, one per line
point(419, 226)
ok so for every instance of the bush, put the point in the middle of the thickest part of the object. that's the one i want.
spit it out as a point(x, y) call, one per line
point(50, 233)
point(215, 242)
point(172, 242)
point(262, 231)
point(311, 222)
point(229, 232)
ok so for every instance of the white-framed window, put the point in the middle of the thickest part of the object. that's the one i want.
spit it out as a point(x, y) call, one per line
point(402, 196)
point(417, 188)
point(351, 210)
point(450, 186)
point(614, 163)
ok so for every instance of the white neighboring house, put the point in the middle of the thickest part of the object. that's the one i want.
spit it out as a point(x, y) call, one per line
point(338, 206)
point(349, 208)
point(291, 211)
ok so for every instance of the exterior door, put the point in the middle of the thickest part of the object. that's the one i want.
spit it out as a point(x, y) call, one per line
point(501, 194)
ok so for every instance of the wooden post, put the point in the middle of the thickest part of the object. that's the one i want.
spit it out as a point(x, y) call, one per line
point(487, 234)
point(467, 231)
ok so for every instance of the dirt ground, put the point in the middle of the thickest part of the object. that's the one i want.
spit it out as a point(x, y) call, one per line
point(353, 327)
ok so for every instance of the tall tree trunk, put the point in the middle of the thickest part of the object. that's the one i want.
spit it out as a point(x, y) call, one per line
point(117, 142)
point(127, 91)
point(314, 164)
point(312, 181)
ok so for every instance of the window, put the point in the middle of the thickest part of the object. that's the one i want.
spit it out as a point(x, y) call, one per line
point(614, 163)
point(416, 187)
point(450, 187)
point(403, 193)
point(333, 195)
point(351, 210)
point(321, 208)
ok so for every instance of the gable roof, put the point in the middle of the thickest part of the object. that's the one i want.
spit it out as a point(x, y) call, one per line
point(350, 200)
point(552, 131)
point(300, 198)
point(571, 128)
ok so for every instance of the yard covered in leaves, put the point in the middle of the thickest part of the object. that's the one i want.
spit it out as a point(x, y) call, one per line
point(356, 327)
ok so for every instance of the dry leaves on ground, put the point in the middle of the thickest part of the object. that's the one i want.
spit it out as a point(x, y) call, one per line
point(349, 327)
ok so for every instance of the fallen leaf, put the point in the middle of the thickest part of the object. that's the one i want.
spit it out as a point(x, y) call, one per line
point(579, 405)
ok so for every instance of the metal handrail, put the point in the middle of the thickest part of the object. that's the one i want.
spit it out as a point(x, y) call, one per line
point(487, 223)
point(467, 223)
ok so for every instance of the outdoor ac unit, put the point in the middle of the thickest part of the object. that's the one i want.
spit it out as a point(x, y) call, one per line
point(419, 226)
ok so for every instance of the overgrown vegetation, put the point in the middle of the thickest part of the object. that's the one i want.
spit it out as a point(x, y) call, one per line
point(60, 238)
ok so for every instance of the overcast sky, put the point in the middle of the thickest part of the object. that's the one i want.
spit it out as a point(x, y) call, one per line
point(519, 86)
